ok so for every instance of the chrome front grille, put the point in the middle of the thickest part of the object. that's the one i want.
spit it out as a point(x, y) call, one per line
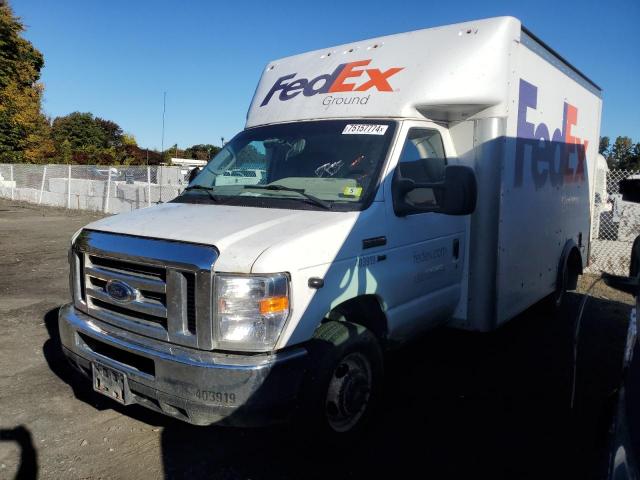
point(150, 304)
point(170, 285)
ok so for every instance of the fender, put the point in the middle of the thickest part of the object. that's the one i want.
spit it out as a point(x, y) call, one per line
point(366, 310)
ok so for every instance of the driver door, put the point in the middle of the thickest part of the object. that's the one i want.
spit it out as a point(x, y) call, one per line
point(426, 250)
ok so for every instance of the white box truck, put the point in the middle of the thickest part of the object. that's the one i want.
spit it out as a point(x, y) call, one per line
point(435, 177)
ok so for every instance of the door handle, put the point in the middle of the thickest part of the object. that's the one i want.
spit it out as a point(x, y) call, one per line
point(374, 242)
point(456, 249)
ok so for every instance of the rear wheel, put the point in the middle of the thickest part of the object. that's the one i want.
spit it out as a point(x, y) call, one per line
point(561, 288)
point(344, 384)
point(567, 280)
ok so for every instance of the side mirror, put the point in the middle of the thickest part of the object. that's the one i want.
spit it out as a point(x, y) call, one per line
point(456, 195)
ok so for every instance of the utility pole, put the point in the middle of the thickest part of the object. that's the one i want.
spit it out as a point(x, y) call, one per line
point(164, 107)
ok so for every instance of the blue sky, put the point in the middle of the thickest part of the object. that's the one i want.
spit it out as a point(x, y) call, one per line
point(116, 58)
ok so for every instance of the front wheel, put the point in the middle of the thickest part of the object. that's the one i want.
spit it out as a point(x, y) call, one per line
point(345, 381)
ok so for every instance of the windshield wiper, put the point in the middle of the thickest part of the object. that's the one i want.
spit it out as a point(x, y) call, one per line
point(301, 191)
point(203, 188)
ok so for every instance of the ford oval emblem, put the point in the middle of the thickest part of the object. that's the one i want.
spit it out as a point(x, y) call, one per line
point(120, 291)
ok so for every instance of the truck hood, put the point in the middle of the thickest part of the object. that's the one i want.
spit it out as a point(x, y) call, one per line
point(240, 234)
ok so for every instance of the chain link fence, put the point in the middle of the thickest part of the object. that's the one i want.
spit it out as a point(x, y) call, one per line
point(614, 226)
point(92, 187)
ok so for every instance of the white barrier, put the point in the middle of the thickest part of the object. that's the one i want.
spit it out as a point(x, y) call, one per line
point(97, 188)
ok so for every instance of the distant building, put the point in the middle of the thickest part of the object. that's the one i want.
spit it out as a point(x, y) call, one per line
point(188, 162)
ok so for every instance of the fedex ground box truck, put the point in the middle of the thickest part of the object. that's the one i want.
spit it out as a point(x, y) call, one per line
point(435, 177)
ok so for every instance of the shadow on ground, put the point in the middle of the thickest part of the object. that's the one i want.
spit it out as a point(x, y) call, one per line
point(28, 464)
point(82, 388)
point(457, 404)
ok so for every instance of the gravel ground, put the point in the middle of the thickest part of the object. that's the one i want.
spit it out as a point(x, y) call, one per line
point(457, 403)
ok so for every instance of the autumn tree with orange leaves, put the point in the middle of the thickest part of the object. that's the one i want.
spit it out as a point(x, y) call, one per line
point(24, 129)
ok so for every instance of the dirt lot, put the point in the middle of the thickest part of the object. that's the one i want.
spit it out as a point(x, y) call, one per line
point(458, 404)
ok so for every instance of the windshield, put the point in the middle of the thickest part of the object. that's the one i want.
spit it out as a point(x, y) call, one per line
point(327, 164)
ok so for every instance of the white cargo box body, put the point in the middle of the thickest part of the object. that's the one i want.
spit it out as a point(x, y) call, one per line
point(518, 113)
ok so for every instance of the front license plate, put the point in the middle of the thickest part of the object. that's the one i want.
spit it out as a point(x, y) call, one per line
point(110, 382)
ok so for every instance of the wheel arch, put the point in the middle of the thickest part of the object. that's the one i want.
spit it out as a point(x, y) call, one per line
point(366, 310)
point(570, 259)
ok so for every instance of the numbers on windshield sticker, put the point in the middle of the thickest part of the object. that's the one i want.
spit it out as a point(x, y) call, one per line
point(364, 129)
point(353, 192)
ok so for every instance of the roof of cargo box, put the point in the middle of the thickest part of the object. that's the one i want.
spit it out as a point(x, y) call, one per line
point(444, 73)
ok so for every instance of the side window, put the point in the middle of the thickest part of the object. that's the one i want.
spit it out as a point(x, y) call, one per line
point(423, 161)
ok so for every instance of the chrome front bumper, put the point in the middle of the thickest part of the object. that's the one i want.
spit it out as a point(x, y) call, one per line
point(196, 386)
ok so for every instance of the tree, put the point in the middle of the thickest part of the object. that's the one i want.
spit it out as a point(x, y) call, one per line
point(622, 153)
point(80, 129)
point(24, 130)
point(129, 139)
point(92, 139)
point(172, 152)
point(605, 145)
point(139, 156)
point(201, 151)
point(65, 152)
point(112, 131)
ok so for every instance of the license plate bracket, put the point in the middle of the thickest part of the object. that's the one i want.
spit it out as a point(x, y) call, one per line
point(111, 382)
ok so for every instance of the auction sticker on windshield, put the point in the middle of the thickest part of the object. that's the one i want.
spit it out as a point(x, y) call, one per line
point(364, 129)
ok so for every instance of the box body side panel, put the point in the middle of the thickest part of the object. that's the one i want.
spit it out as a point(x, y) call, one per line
point(547, 178)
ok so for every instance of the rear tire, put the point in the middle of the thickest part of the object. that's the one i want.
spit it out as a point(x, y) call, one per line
point(344, 385)
point(569, 277)
point(561, 288)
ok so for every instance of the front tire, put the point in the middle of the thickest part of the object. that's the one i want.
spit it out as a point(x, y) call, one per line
point(344, 385)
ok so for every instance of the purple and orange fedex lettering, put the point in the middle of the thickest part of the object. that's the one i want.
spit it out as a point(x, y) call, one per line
point(550, 155)
point(349, 71)
point(334, 82)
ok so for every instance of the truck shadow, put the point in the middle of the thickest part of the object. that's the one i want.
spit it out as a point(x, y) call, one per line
point(457, 403)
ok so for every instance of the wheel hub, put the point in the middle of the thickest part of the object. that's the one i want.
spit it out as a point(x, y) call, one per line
point(349, 392)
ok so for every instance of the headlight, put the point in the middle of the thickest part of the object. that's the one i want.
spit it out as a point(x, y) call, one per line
point(251, 310)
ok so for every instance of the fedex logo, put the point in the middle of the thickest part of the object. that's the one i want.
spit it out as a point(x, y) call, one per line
point(550, 155)
point(337, 81)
